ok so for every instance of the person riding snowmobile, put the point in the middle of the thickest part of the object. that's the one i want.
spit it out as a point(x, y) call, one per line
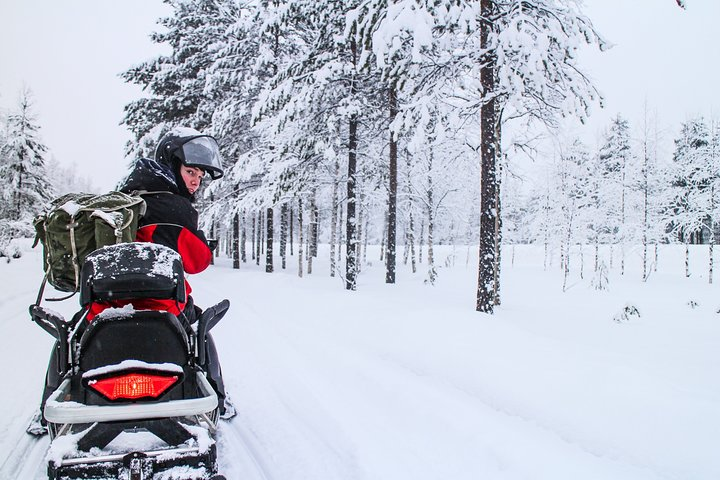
point(168, 185)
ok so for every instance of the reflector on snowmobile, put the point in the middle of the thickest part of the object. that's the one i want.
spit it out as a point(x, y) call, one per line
point(59, 411)
point(133, 386)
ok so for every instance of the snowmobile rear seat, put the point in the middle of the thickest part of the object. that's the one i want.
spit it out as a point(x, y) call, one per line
point(145, 335)
point(129, 271)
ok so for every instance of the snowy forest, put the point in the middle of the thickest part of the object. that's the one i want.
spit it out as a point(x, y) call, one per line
point(405, 124)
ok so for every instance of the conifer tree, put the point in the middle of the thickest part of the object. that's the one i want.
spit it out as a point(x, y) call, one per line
point(524, 52)
point(26, 185)
point(616, 159)
point(316, 94)
point(689, 197)
point(175, 83)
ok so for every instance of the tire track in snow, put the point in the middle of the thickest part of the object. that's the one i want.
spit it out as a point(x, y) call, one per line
point(237, 457)
point(26, 459)
point(387, 371)
point(285, 425)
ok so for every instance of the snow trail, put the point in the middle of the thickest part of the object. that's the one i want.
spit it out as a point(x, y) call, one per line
point(25, 453)
point(407, 382)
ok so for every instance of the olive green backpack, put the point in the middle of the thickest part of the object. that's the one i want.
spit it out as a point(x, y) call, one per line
point(77, 224)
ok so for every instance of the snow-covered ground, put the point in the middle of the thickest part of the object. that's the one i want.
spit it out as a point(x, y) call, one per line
point(407, 381)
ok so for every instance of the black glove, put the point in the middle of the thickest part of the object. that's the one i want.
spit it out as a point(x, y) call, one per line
point(212, 244)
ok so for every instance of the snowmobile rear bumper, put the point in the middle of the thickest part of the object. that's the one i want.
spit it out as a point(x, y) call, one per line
point(59, 411)
point(136, 465)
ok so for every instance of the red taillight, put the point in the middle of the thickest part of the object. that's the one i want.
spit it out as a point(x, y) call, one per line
point(133, 385)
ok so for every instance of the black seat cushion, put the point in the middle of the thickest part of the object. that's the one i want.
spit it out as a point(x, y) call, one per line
point(116, 335)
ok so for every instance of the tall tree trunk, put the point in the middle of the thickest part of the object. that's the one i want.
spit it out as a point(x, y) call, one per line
point(243, 239)
point(300, 238)
point(406, 248)
point(366, 229)
point(283, 234)
point(622, 221)
point(228, 243)
point(214, 237)
point(291, 223)
point(711, 228)
point(489, 146)
point(411, 226)
point(262, 225)
point(655, 263)
point(311, 235)
point(258, 238)
point(236, 240)
point(597, 256)
point(710, 261)
point(420, 242)
point(498, 252)
point(383, 240)
point(315, 225)
point(351, 250)
point(392, 195)
point(568, 239)
point(341, 240)
point(432, 273)
point(17, 192)
point(646, 194)
point(360, 231)
point(334, 218)
point(254, 237)
point(269, 237)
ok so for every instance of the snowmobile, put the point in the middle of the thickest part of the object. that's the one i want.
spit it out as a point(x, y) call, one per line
point(134, 401)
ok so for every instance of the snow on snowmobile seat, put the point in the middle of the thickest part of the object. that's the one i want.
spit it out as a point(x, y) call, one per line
point(128, 271)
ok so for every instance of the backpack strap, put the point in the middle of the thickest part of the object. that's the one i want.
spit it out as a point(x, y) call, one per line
point(41, 290)
point(140, 193)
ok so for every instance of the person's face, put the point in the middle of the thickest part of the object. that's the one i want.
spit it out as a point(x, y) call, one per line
point(192, 177)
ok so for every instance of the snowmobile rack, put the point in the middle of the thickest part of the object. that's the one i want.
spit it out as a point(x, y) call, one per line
point(62, 412)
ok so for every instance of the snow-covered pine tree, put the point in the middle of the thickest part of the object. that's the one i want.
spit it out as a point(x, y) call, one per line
point(695, 184)
point(649, 186)
point(68, 178)
point(253, 50)
point(398, 69)
point(230, 88)
point(316, 94)
point(713, 160)
point(616, 159)
point(390, 263)
point(175, 83)
point(522, 55)
point(26, 185)
point(689, 200)
point(574, 200)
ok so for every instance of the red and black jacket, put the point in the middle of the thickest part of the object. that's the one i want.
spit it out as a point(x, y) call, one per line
point(170, 219)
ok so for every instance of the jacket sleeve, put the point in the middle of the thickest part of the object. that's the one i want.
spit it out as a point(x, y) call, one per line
point(172, 221)
point(195, 253)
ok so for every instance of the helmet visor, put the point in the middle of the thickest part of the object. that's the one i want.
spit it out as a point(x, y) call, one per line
point(203, 153)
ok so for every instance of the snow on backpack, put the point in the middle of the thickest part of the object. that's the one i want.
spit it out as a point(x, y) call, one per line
point(77, 224)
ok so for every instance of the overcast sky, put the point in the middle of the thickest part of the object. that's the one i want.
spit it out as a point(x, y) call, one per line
point(69, 53)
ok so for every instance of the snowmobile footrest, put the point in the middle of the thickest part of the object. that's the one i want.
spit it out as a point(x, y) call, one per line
point(101, 434)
